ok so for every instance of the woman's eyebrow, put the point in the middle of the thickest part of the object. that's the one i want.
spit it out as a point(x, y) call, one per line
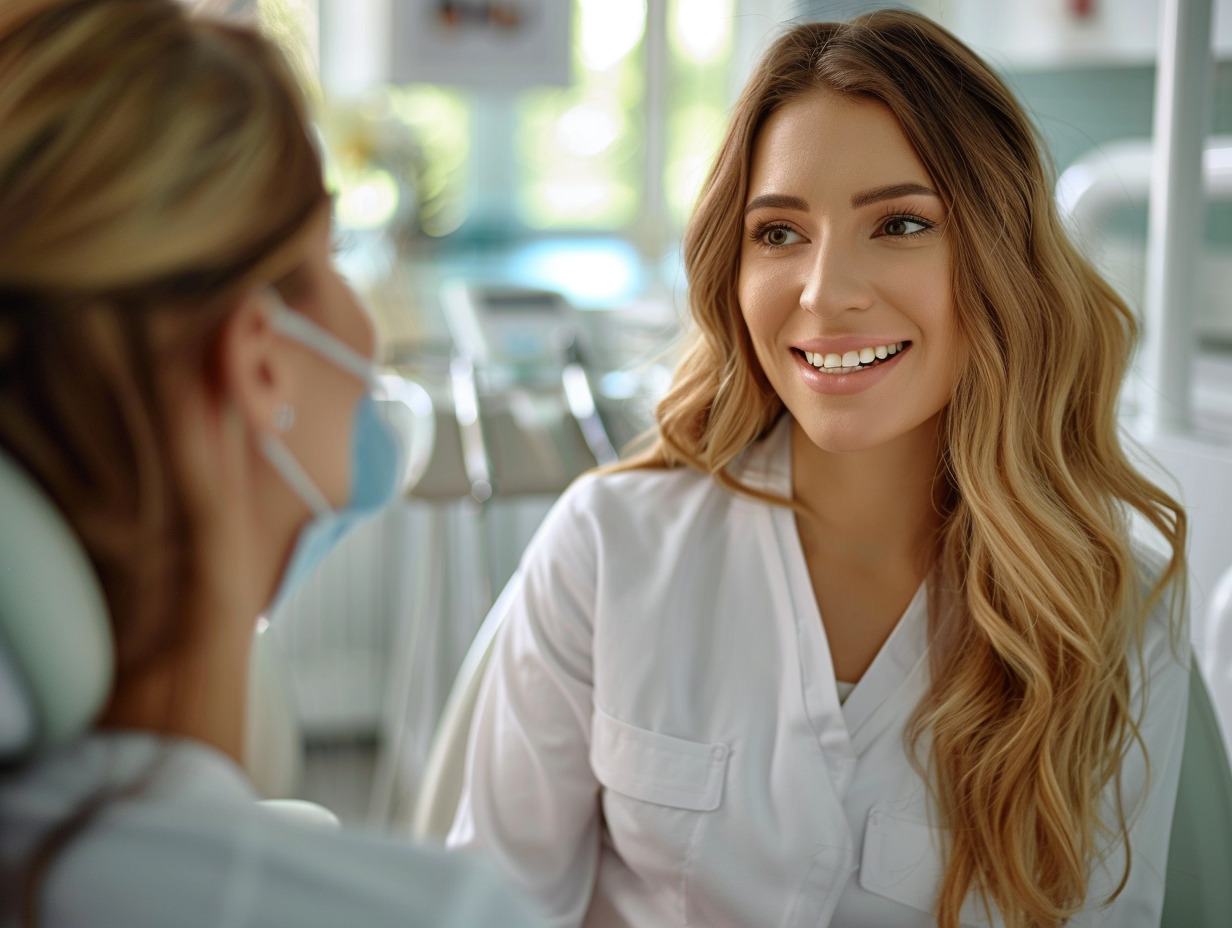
point(861, 199)
point(777, 201)
point(890, 192)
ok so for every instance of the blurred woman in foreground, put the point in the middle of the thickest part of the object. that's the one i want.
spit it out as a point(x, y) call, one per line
point(186, 376)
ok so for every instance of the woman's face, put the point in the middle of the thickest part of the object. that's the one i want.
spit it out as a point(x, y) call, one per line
point(326, 394)
point(845, 274)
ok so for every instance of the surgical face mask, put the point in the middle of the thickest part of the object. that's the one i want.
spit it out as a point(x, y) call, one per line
point(378, 456)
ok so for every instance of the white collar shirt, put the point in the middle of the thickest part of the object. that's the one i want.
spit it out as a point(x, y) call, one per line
point(660, 741)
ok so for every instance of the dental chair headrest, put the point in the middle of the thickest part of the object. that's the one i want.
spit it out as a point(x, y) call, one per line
point(56, 654)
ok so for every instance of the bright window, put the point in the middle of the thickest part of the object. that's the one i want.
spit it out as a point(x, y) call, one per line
point(578, 148)
point(439, 119)
point(699, 36)
point(563, 158)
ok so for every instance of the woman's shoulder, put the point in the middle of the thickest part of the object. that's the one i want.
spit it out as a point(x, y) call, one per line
point(352, 878)
point(171, 856)
point(185, 843)
point(1165, 632)
point(639, 487)
point(294, 874)
point(644, 501)
point(633, 519)
point(762, 467)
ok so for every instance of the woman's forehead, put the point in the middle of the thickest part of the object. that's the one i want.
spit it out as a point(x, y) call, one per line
point(826, 141)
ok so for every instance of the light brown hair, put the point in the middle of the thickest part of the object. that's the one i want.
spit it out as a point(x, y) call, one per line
point(1029, 714)
point(153, 166)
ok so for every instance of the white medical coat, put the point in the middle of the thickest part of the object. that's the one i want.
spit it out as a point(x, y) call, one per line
point(659, 740)
point(190, 848)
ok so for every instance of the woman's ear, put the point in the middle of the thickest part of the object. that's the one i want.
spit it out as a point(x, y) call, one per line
point(253, 367)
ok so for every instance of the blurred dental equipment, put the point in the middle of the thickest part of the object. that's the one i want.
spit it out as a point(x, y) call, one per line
point(1178, 402)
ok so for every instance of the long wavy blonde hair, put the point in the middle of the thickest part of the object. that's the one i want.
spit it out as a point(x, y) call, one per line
point(1029, 714)
point(153, 168)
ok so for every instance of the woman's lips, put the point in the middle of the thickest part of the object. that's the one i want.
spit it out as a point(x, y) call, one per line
point(850, 382)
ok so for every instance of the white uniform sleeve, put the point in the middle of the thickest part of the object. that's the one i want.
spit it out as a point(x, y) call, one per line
point(1149, 788)
point(529, 800)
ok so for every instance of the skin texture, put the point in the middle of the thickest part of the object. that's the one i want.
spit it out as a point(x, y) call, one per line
point(248, 516)
point(830, 257)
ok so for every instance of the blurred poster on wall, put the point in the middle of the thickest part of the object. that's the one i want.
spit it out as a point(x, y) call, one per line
point(481, 44)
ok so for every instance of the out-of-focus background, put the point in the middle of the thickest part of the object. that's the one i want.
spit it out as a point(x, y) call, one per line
point(512, 179)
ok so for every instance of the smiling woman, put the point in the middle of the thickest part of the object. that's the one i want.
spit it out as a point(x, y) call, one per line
point(861, 639)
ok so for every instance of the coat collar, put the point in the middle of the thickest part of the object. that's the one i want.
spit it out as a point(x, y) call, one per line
point(899, 674)
point(766, 464)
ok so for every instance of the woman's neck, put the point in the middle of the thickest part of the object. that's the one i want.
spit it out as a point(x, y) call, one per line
point(880, 507)
point(245, 523)
point(199, 692)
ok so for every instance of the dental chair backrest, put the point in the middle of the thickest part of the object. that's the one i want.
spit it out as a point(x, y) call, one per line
point(56, 654)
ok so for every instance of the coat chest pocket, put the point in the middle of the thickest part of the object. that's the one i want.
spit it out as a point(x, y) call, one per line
point(657, 789)
point(902, 861)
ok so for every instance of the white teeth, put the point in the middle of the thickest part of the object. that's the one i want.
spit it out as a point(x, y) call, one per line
point(852, 360)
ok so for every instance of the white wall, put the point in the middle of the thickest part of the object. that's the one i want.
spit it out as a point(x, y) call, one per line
point(1047, 33)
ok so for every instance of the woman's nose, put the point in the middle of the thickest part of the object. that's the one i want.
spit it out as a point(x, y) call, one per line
point(836, 282)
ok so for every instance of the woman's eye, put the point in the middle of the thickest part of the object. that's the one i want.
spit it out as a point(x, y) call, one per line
point(778, 236)
point(902, 226)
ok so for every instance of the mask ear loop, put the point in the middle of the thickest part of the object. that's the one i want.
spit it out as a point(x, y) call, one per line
point(294, 474)
point(300, 328)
